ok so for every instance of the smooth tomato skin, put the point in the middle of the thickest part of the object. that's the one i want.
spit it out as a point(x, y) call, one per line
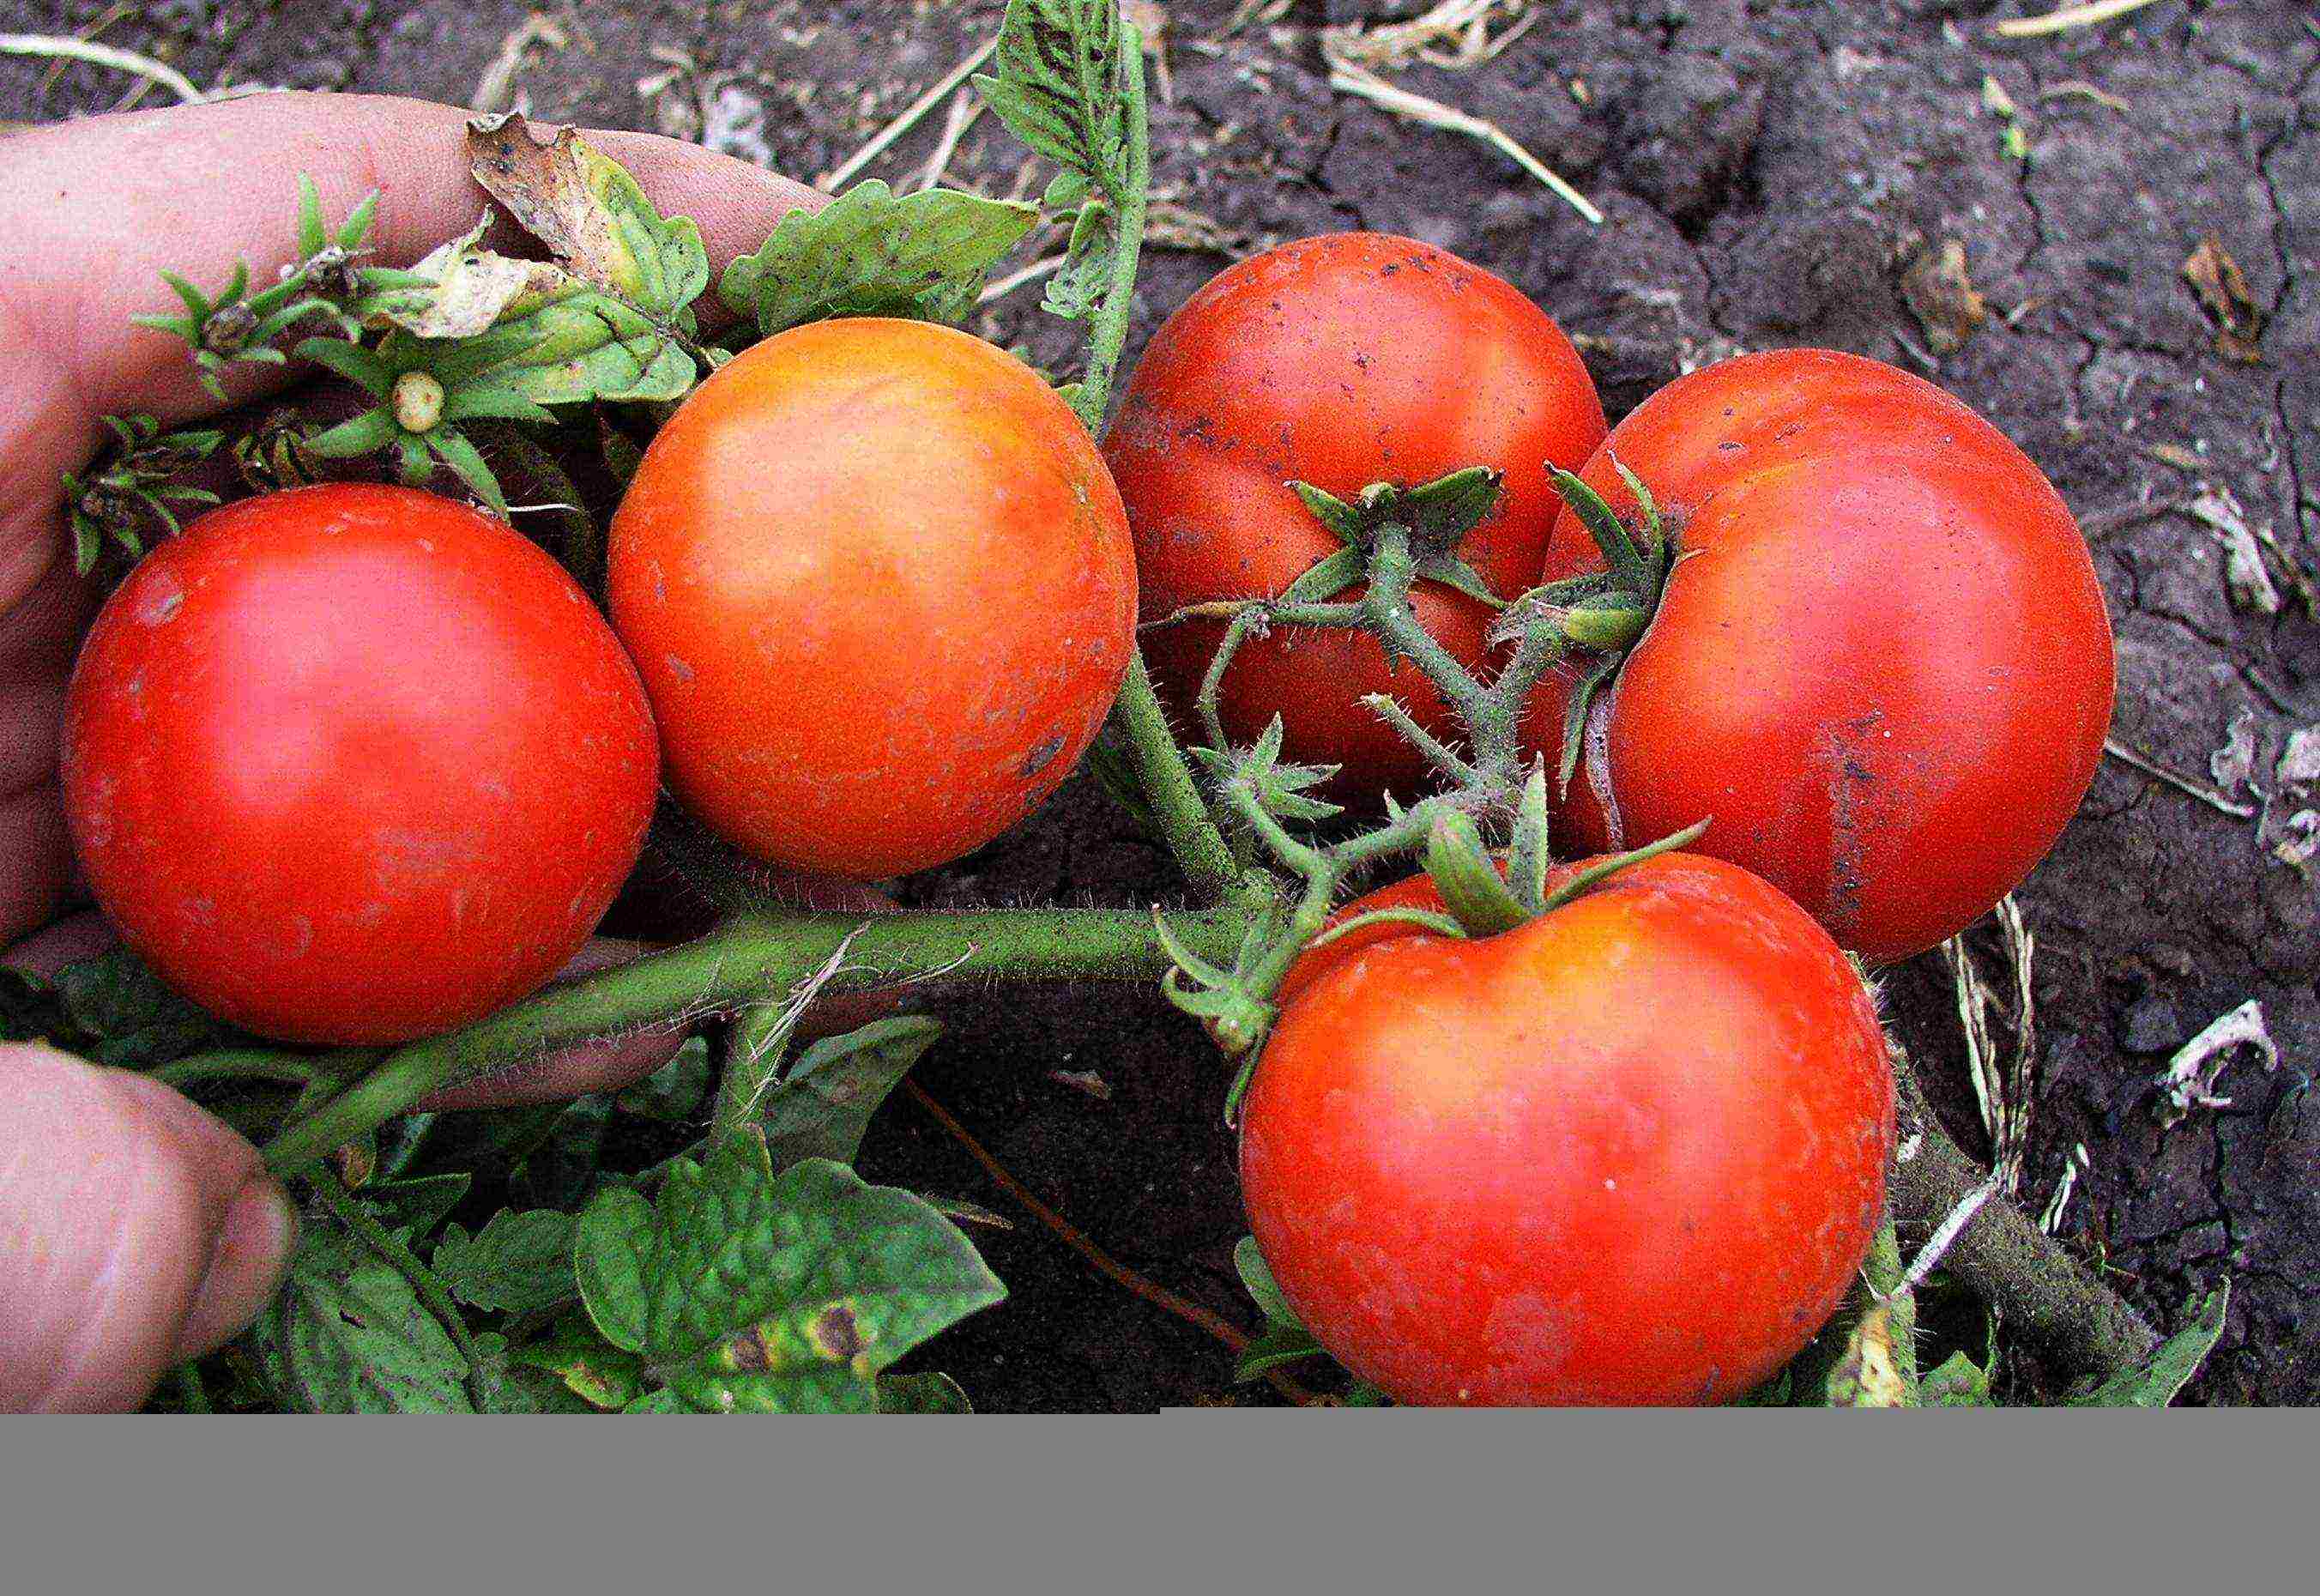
point(880, 590)
point(1629, 1152)
point(355, 764)
point(1884, 667)
point(1340, 360)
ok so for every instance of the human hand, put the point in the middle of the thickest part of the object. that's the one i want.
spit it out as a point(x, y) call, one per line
point(136, 1229)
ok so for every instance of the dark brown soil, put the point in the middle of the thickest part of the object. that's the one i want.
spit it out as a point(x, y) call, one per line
point(1773, 174)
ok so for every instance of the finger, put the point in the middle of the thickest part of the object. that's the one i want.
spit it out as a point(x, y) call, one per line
point(103, 206)
point(135, 1232)
point(38, 633)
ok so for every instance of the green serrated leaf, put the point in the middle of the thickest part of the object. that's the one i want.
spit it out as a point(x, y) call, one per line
point(601, 1374)
point(676, 1092)
point(1058, 82)
point(1959, 1383)
point(519, 1261)
point(1079, 285)
point(586, 208)
point(921, 1393)
point(612, 1247)
point(2171, 1368)
point(358, 435)
point(872, 251)
point(111, 1008)
point(416, 1206)
point(748, 1291)
point(506, 1383)
point(352, 1336)
point(821, 1108)
point(561, 1167)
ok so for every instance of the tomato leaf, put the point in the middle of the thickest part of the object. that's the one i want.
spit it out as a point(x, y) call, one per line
point(1078, 286)
point(674, 1093)
point(111, 1008)
point(348, 1334)
point(587, 209)
point(872, 251)
point(561, 1167)
point(601, 1374)
point(744, 1291)
point(1057, 85)
point(504, 1384)
point(415, 1207)
point(2160, 1381)
point(610, 1248)
point(519, 1261)
point(821, 1108)
point(1959, 1383)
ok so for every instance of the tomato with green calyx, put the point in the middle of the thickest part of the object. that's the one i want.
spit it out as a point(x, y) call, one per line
point(1880, 656)
point(355, 764)
point(880, 587)
point(1340, 362)
point(1630, 1151)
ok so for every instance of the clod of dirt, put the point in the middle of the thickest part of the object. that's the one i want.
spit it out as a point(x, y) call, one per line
point(1942, 297)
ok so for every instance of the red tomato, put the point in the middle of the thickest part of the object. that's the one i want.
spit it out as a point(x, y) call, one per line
point(355, 764)
point(881, 589)
point(1340, 362)
point(1631, 1152)
point(1883, 665)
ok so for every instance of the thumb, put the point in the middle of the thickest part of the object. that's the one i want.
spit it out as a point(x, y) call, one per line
point(136, 1231)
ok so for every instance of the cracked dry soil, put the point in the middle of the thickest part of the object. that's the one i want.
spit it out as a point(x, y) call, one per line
point(1775, 172)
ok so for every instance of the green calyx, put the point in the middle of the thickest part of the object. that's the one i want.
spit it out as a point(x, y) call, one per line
point(1485, 899)
point(1603, 614)
point(1431, 521)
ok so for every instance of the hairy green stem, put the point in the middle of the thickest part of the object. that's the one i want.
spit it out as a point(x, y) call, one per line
point(749, 956)
point(1166, 777)
point(1109, 335)
point(753, 1058)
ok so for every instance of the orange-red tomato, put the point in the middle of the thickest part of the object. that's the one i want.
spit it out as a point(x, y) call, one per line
point(1883, 664)
point(354, 764)
point(1340, 362)
point(1630, 1152)
point(880, 587)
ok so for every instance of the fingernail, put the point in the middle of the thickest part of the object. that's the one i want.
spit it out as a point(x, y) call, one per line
point(245, 1266)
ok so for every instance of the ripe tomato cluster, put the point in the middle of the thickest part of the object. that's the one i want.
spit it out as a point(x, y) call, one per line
point(352, 765)
point(1632, 1150)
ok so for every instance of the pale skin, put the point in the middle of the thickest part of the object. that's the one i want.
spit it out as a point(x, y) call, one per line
point(136, 1230)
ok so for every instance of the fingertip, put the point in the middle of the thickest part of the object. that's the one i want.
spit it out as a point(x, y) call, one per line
point(255, 1243)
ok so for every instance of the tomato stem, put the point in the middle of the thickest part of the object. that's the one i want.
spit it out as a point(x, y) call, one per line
point(1166, 776)
point(2038, 1286)
point(750, 955)
point(1108, 334)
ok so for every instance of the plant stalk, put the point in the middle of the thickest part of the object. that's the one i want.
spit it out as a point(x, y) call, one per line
point(747, 956)
point(2037, 1285)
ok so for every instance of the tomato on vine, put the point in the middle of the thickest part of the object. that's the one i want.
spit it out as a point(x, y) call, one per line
point(1631, 1150)
point(1880, 658)
point(1340, 361)
point(354, 764)
point(880, 587)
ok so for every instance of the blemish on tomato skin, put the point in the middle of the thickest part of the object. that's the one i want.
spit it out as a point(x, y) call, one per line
point(159, 600)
